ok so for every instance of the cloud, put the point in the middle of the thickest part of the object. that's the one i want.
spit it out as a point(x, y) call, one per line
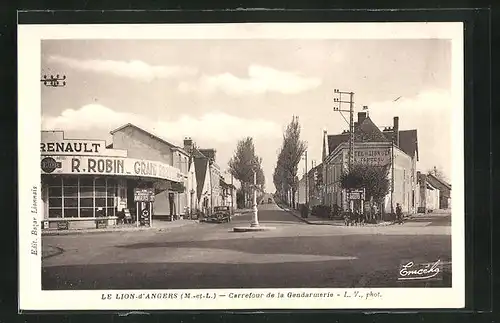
point(134, 69)
point(260, 80)
point(431, 114)
point(214, 127)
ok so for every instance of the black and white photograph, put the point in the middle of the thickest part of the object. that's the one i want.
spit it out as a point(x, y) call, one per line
point(237, 166)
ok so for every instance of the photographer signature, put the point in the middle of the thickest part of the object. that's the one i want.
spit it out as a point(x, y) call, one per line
point(410, 271)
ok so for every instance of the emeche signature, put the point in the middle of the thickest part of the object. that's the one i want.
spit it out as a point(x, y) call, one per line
point(408, 272)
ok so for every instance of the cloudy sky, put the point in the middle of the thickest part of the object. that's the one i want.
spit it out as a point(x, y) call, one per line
point(219, 91)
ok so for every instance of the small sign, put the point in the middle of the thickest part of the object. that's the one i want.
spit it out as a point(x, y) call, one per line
point(101, 224)
point(62, 225)
point(357, 194)
point(144, 195)
point(144, 217)
point(49, 164)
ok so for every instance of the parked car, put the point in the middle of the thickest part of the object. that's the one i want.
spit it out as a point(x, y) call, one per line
point(221, 214)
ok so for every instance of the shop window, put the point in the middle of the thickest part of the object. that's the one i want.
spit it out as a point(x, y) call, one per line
point(55, 202)
point(86, 191)
point(111, 191)
point(100, 202)
point(86, 212)
point(100, 191)
point(52, 181)
point(86, 202)
point(70, 212)
point(70, 181)
point(110, 211)
point(87, 181)
point(100, 182)
point(70, 191)
point(111, 202)
point(55, 213)
point(70, 202)
point(111, 182)
point(55, 191)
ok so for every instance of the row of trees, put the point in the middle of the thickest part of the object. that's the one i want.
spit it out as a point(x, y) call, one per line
point(289, 156)
point(242, 167)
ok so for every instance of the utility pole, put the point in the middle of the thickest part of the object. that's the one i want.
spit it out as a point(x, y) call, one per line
point(351, 119)
point(338, 108)
point(255, 219)
point(307, 179)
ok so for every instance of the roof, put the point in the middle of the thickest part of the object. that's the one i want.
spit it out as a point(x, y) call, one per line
point(172, 146)
point(442, 182)
point(201, 171)
point(367, 131)
point(408, 141)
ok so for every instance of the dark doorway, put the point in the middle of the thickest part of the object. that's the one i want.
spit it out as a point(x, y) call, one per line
point(171, 200)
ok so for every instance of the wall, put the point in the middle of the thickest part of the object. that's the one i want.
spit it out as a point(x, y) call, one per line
point(404, 182)
point(140, 145)
point(215, 189)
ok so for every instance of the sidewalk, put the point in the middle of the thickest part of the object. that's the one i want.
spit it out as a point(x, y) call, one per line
point(311, 219)
point(158, 225)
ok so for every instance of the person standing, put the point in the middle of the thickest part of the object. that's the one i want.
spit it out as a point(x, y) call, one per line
point(399, 213)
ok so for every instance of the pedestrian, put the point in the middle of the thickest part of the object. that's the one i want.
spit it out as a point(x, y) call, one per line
point(399, 215)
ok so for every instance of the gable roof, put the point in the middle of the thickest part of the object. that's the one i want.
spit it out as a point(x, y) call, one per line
point(200, 165)
point(367, 131)
point(434, 179)
point(151, 135)
point(408, 141)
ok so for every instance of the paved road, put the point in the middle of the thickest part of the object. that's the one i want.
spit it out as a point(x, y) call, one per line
point(294, 254)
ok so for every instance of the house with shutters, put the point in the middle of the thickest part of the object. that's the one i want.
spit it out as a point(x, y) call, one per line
point(390, 148)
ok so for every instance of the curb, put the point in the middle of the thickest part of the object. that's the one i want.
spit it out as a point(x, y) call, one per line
point(101, 231)
point(57, 253)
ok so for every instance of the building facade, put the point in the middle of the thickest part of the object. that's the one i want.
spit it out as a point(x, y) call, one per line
point(140, 143)
point(208, 176)
point(391, 150)
point(444, 191)
point(429, 199)
point(85, 180)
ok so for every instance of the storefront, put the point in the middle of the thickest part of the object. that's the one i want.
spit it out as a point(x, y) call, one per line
point(83, 181)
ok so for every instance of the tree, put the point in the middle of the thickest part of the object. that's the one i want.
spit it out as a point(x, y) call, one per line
point(243, 164)
point(438, 173)
point(292, 149)
point(374, 179)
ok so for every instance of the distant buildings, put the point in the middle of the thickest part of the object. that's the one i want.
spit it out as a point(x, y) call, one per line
point(84, 181)
point(390, 148)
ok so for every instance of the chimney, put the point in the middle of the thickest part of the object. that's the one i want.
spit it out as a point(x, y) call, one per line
point(361, 117)
point(188, 144)
point(395, 134)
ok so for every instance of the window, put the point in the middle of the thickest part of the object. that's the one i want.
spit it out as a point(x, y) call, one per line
point(73, 197)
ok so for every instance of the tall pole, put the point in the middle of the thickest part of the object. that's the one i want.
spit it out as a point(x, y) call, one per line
point(255, 220)
point(307, 180)
point(351, 130)
point(232, 194)
point(351, 124)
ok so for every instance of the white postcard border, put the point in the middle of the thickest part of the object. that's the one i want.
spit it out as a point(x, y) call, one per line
point(31, 297)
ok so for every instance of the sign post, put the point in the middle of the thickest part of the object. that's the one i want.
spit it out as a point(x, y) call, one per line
point(144, 199)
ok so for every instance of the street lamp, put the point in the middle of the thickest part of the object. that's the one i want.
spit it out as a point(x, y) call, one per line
point(255, 219)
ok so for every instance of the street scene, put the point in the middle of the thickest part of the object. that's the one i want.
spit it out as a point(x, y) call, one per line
point(212, 256)
point(187, 164)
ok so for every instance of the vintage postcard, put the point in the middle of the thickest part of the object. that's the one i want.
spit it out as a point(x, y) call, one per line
point(241, 166)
